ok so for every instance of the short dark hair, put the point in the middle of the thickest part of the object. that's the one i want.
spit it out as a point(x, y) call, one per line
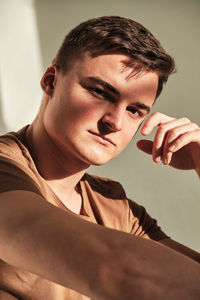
point(114, 34)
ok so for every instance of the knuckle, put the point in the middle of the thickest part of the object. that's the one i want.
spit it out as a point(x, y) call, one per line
point(195, 126)
point(161, 127)
point(178, 142)
point(185, 120)
point(173, 131)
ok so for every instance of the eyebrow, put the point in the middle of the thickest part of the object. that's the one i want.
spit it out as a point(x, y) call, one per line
point(142, 106)
point(116, 92)
point(105, 85)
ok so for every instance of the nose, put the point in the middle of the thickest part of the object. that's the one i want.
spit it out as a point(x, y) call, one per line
point(114, 119)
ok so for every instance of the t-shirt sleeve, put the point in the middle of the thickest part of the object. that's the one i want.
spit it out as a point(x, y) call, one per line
point(119, 212)
point(142, 224)
point(14, 176)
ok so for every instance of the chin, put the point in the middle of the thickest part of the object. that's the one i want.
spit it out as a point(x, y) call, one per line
point(96, 157)
point(98, 164)
point(97, 160)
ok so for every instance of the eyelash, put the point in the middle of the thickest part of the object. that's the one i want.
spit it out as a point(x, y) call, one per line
point(134, 111)
point(100, 93)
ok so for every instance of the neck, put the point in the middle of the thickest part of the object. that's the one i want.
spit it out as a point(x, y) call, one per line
point(61, 172)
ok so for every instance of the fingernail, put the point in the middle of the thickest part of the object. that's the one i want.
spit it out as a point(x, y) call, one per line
point(157, 159)
point(166, 161)
point(144, 131)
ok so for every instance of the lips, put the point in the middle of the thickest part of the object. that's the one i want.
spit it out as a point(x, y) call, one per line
point(103, 137)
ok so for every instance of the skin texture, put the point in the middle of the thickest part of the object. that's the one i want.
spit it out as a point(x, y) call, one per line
point(92, 108)
point(103, 119)
point(6, 296)
point(118, 264)
point(99, 103)
point(176, 142)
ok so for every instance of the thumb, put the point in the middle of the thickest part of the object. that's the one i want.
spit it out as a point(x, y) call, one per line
point(145, 145)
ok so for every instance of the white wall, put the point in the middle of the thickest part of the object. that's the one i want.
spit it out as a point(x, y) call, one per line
point(20, 64)
point(171, 196)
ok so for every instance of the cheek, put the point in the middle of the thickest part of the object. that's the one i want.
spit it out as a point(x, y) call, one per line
point(135, 125)
point(78, 105)
point(129, 135)
point(81, 114)
point(125, 138)
point(130, 132)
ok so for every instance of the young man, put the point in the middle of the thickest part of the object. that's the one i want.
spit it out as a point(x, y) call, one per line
point(100, 87)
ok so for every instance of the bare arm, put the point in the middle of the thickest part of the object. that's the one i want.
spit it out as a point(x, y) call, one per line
point(6, 296)
point(181, 248)
point(99, 262)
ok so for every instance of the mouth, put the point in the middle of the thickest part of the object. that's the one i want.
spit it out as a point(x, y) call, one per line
point(103, 139)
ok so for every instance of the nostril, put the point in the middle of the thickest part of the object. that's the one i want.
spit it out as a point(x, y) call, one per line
point(108, 124)
point(104, 127)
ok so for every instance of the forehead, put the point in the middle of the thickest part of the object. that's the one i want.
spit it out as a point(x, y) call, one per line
point(115, 69)
point(105, 64)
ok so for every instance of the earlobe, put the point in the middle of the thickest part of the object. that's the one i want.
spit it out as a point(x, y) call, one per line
point(48, 81)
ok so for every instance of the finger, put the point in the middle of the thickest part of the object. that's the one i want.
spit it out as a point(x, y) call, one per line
point(185, 139)
point(161, 135)
point(154, 120)
point(178, 135)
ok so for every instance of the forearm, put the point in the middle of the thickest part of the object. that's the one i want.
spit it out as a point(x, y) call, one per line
point(99, 262)
point(181, 249)
point(6, 296)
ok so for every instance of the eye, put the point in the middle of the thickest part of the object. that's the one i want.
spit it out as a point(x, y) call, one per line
point(101, 94)
point(134, 111)
point(98, 92)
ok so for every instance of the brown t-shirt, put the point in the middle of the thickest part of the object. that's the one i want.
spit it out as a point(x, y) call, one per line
point(104, 202)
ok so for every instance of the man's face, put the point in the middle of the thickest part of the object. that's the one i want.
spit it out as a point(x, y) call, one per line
point(97, 107)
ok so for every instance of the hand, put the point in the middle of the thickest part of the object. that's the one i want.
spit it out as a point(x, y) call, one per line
point(176, 142)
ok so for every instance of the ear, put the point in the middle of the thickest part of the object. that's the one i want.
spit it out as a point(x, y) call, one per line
point(48, 80)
